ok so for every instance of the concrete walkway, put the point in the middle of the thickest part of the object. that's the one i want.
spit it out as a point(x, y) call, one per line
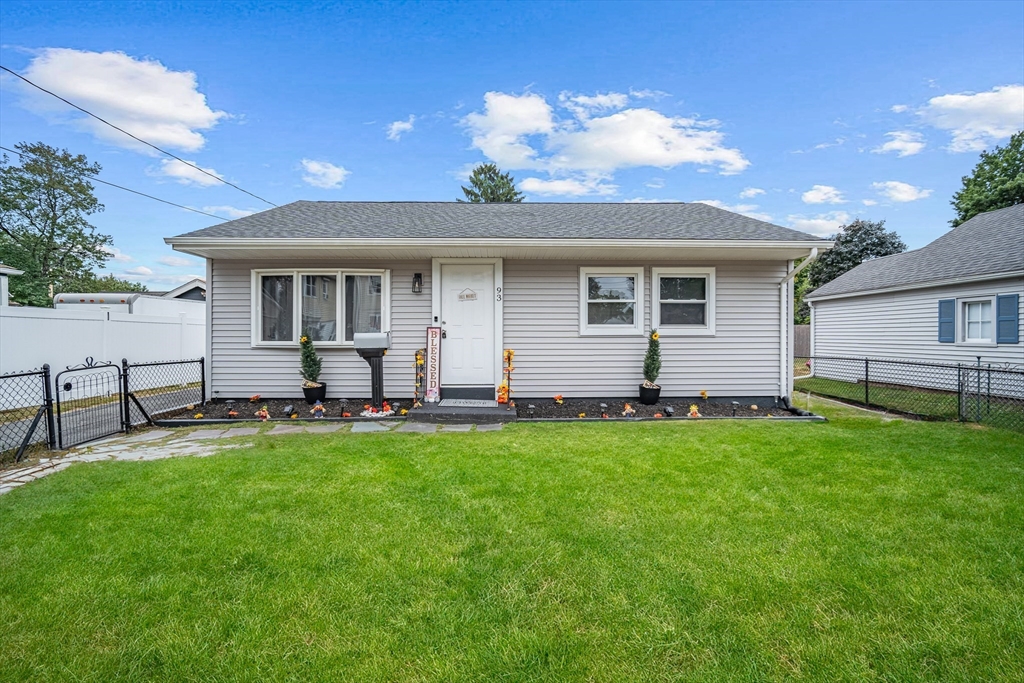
point(157, 444)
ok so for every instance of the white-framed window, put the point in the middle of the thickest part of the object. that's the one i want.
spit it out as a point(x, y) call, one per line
point(683, 301)
point(611, 301)
point(328, 305)
point(977, 321)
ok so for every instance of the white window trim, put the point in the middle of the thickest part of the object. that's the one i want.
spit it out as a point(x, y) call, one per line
point(255, 302)
point(637, 329)
point(707, 329)
point(961, 321)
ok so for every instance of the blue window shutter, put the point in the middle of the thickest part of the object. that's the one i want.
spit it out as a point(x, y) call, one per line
point(1006, 319)
point(947, 320)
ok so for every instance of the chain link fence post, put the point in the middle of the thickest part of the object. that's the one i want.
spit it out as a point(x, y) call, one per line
point(51, 428)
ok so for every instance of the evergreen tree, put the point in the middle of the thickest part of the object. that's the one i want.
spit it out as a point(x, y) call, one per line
point(311, 363)
point(652, 359)
point(489, 185)
point(996, 182)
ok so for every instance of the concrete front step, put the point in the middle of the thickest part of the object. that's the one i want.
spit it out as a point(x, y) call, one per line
point(431, 412)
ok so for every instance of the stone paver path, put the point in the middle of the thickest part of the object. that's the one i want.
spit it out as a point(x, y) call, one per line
point(157, 444)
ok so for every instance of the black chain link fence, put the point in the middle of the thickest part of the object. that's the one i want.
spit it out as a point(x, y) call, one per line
point(137, 394)
point(983, 393)
point(152, 389)
point(26, 413)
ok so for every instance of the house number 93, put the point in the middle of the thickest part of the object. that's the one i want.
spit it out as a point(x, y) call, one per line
point(497, 293)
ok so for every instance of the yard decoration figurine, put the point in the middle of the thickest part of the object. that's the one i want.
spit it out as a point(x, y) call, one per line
point(649, 391)
point(317, 410)
point(346, 414)
point(385, 410)
point(704, 394)
point(693, 411)
point(421, 375)
point(232, 413)
point(503, 393)
point(753, 407)
point(313, 389)
point(658, 415)
point(558, 399)
point(604, 410)
point(198, 416)
point(255, 398)
point(628, 411)
point(263, 414)
point(294, 416)
point(505, 388)
point(582, 415)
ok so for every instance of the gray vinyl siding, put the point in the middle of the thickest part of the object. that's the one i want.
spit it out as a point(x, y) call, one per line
point(239, 370)
point(904, 325)
point(541, 323)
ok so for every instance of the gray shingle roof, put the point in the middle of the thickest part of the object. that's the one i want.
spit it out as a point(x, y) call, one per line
point(987, 244)
point(533, 220)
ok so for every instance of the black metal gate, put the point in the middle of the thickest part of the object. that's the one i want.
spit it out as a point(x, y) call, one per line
point(90, 404)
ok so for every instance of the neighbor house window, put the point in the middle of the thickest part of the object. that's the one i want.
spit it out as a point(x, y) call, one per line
point(611, 301)
point(328, 305)
point(683, 300)
point(977, 321)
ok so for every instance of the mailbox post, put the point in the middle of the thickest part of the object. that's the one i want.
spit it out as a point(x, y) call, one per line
point(372, 346)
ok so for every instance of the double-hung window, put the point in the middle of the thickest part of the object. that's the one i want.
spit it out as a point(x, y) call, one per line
point(683, 301)
point(977, 321)
point(328, 305)
point(611, 301)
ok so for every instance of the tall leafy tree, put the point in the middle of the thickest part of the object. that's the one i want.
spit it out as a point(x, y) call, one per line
point(45, 202)
point(996, 182)
point(106, 283)
point(854, 243)
point(488, 184)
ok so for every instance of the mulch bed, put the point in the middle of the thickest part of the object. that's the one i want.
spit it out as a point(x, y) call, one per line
point(218, 409)
point(546, 408)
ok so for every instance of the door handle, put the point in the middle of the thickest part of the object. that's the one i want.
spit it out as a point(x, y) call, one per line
point(444, 334)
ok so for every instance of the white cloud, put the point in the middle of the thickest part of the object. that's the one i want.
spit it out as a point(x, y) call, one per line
point(568, 187)
point(142, 96)
point(645, 200)
point(185, 174)
point(648, 94)
point(229, 211)
point(176, 261)
point(115, 254)
point(655, 183)
point(397, 128)
point(900, 192)
point(745, 209)
point(139, 270)
point(898, 108)
point(593, 135)
point(869, 202)
point(821, 225)
point(323, 174)
point(904, 142)
point(823, 194)
point(750, 192)
point(977, 120)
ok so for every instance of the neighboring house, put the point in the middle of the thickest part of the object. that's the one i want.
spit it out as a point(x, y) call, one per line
point(5, 272)
point(572, 288)
point(956, 299)
point(194, 289)
point(189, 299)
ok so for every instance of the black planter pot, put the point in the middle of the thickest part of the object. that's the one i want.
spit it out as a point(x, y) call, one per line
point(316, 393)
point(649, 396)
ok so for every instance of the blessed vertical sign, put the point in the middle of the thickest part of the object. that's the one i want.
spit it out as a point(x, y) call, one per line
point(433, 369)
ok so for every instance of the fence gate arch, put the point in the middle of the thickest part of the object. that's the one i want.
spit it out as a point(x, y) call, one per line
point(90, 403)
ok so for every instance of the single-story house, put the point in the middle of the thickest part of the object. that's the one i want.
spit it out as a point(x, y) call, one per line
point(956, 299)
point(573, 289)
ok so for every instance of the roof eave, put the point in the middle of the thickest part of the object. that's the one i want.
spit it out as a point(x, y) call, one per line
point(918, 285)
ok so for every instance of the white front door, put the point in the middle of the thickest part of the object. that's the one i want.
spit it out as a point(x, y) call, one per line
point(467, 321)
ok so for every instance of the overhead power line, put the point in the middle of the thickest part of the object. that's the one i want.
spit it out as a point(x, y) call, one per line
point(135, 137)
point(128, 189)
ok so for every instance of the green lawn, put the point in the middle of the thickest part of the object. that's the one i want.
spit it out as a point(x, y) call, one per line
point(856, 550)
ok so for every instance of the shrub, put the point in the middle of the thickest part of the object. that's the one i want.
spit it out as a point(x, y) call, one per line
point(310, 361)
point(652, 361)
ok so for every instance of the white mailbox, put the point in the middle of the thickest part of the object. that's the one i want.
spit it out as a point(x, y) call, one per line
point(372, 340)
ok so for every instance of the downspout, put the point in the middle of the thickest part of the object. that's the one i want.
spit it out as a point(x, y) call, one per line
point(785, 318)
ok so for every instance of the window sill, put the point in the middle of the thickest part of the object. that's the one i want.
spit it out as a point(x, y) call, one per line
point(592, 332)
point(295, 345)
point(682, 332)
point(978, 344)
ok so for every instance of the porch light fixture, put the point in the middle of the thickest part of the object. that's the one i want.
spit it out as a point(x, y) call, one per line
point(417, 283)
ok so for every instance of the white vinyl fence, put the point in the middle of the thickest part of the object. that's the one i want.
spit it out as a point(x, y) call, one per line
point(30, 337)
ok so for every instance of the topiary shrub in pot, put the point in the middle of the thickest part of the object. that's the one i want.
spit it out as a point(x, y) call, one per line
point(649, 391)
point(312, 388)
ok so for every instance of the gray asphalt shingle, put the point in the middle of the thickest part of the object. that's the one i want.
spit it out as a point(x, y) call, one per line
point(528, 220)
point(987, 244)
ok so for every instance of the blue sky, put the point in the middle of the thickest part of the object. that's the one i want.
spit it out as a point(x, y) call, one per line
point(805, 114)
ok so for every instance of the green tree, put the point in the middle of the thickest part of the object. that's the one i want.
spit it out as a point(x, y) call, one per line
point(996, 182)
point(489, 185)
point(90, 282)
point(44, 229)
point(854, 244)
point(652, 359)
point(801, 311)
point(310, 362)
